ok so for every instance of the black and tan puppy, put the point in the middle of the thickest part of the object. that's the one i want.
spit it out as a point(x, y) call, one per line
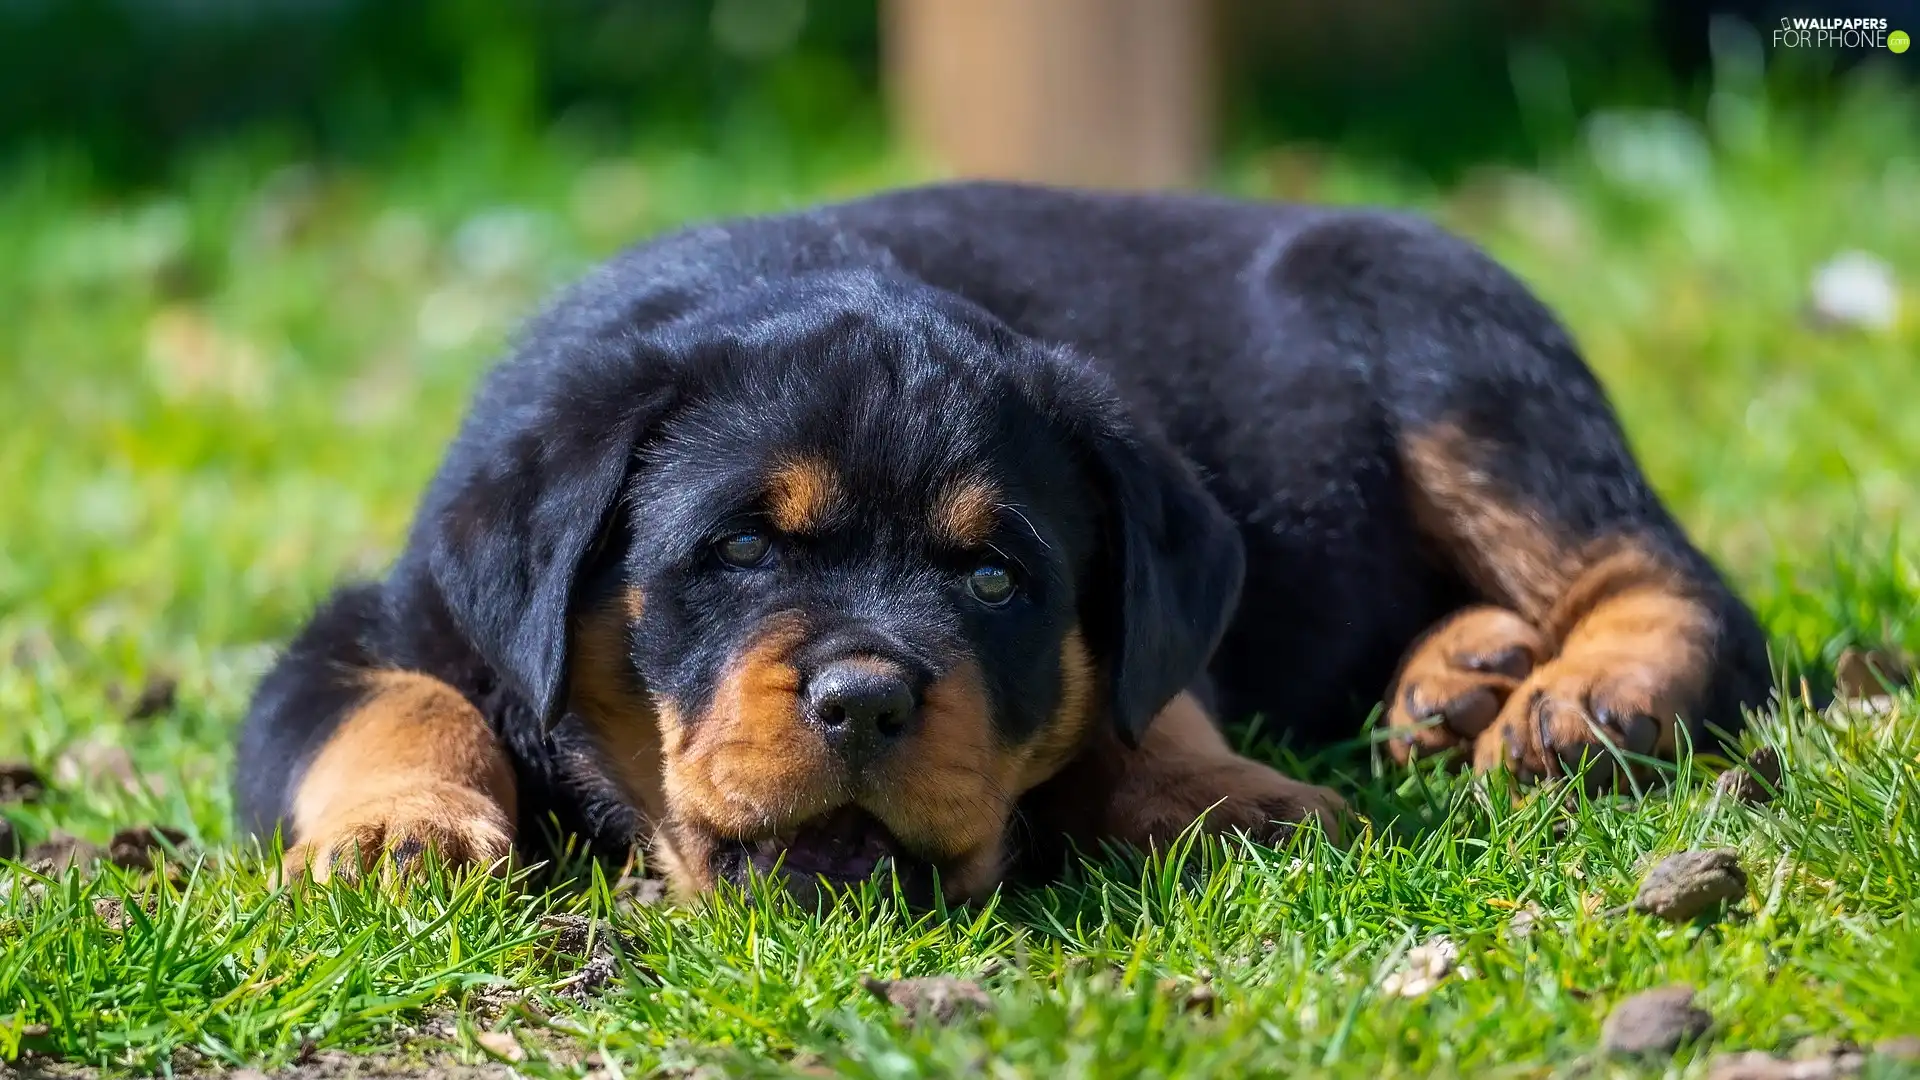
point(938, 527)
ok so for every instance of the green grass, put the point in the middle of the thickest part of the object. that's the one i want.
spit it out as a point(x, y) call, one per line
point(227, 394)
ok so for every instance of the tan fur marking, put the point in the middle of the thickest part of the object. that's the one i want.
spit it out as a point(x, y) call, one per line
point(414, 765)
point(751, 764)
point(943, 791)
point(872, 665)
point(684, 857)
point(1073, 718)
point(607, 694)
point(751, 767)
point(965, 513)
point(1612, 569)
point(802, 494)
point(957, 784)
point(1022, 768)
point(1504, 548)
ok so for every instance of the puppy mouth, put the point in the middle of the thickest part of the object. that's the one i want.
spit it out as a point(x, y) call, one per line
point(844, 847)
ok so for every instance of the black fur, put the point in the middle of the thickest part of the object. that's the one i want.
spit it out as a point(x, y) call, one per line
point(1198, 401)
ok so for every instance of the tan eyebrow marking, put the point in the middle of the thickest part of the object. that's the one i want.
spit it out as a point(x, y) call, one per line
point(965, 512)
point(801, 493)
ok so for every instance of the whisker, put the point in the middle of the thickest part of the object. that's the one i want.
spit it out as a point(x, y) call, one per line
point(1028, 522)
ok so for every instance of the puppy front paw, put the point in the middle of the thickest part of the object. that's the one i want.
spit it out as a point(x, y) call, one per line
point(1584, 716)
point(462, 826)
point(1457, 679)
point(1236, 794)
point(1269, 805)
point(1631, 670)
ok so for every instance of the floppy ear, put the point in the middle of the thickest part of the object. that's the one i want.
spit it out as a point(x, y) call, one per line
point(1180, 563)
point(525, 498)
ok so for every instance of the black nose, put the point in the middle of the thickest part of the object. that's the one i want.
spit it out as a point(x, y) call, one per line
point(861, 704)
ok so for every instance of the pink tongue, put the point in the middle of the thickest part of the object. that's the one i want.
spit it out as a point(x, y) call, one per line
point(845, 845)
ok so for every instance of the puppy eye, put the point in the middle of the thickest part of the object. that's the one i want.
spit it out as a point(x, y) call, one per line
point(991, 584)
point(743, 550)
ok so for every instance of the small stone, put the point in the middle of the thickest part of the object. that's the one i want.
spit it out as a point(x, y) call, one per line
point(156, 696)
point(1748, 1065)
point(1815, 1058)
point(1685, 885)
point(1899, 1048)
point(1855, 290)
point(1654, 1022)
point(22, 889)
point(1755, 781)
point(20, 783)
point(940, 998)
point(140, 847)
point(340, 1063)
point(186, 1061)
point(502, 1045)
point(1854, 710)
point(1426, 967)
point(1821, 1048)
point(579, 936)
point(112, 911)
point(489, 1003)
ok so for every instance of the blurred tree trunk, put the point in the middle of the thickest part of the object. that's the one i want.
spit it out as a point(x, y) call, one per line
point(1113, 93)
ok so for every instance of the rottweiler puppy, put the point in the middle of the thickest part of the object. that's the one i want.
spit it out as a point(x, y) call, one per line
point(937, 528)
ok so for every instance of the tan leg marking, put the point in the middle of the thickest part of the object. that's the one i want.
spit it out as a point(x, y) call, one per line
point(414, 767)
point(1505, 548)
point(1183, 770)
point(1627, 642)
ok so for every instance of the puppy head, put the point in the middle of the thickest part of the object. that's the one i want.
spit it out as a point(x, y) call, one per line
point(882, 566)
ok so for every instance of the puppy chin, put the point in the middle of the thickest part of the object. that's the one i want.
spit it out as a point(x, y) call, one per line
point(816, 858)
